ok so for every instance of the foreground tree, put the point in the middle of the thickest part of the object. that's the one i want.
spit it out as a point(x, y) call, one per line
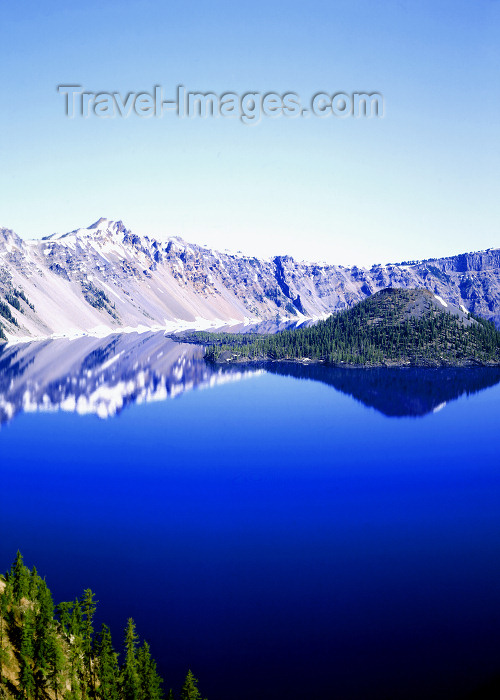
point(75, 625)
point(27, 684)
point(19, 577)
point(149, 681)
point(64, 611)
point(107, 669)
point(129, 676)
point(88, 607)
point(44, 632)
point(56, 666)
point(190, 688)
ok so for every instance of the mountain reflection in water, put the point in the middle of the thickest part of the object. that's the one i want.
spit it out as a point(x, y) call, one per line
point(400, 391)
point(103, 376)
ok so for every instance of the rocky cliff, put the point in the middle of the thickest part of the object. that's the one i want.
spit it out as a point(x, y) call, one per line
point(105, 278)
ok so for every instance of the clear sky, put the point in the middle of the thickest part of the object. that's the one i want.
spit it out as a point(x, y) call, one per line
point(423, 181)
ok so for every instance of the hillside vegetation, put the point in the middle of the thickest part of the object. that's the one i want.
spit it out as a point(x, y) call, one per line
point(392, 327)
point(51, 653)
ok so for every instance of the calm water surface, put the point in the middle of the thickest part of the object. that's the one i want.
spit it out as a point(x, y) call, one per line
point(291, 533)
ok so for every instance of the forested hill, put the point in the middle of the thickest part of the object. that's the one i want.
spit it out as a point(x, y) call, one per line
point(50, 652)
point(392, 327)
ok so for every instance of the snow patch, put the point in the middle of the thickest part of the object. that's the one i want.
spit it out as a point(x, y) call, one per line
point(441, 301)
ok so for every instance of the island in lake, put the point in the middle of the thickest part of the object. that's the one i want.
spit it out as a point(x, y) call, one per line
point(392, 328)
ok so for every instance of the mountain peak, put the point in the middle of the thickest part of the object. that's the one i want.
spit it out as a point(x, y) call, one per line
point(8, 236)
point(104, 224)
point(417, 303)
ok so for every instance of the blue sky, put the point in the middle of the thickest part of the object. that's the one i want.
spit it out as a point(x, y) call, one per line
point(423, 181)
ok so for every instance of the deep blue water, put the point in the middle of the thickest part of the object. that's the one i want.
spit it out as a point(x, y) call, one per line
point(281, 537)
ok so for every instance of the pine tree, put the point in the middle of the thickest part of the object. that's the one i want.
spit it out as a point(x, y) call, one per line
point(75, 625)
point(190, 690)
point(107, 670)
point(34, 580)
point(64, 611)
point(44, 615)
point(56, 665)
point(20, 577)
point(88, 609)
point(76, 675)
point(76, 655)
point(130, 677)
point(26, 676)
point(149, 681)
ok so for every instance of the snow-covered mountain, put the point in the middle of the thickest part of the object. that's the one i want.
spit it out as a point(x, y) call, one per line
point(105, 278)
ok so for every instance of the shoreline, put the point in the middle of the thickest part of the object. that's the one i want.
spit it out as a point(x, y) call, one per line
point(304, 362)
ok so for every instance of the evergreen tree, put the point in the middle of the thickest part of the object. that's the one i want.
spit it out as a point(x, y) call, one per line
point(64, 611)
point(75, 625)
point(88, 609)
point(130, 678)
point(56, 665)
point(149, 681)
point(34, 580)
point(78, 688)
point(190, 690)
point(44, 616)
point(20, 578)
point(76, 655)
point(107, 672)
point(27, 684)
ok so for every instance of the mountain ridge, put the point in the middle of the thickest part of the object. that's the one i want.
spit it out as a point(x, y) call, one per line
point(105, 279)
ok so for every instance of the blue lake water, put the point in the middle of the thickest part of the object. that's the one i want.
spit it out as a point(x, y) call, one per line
point(295, 532)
